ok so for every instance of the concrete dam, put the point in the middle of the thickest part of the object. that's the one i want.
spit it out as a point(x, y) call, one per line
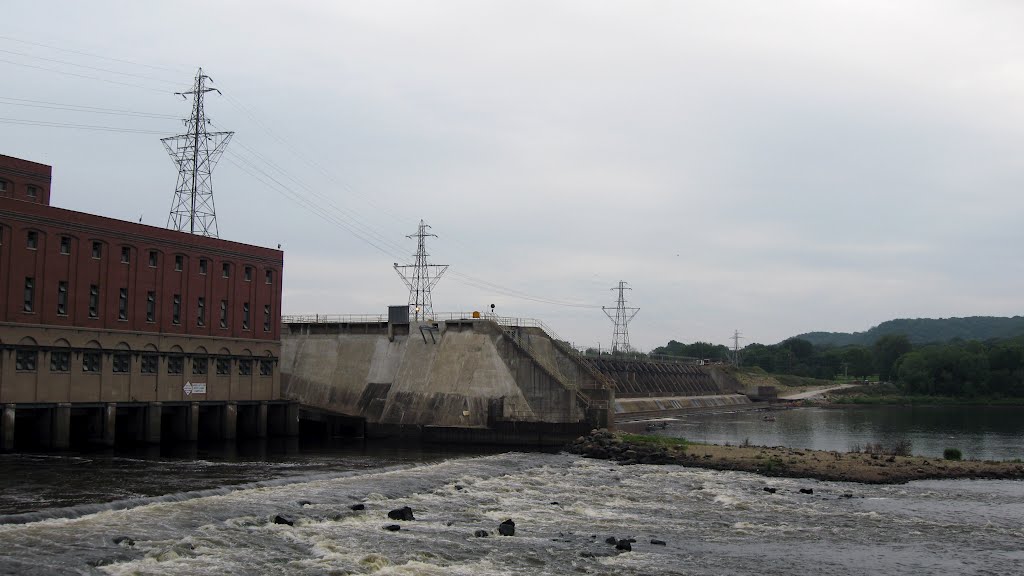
point(494, 380)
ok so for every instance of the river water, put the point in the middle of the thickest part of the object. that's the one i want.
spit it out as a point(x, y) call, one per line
point(210, 512)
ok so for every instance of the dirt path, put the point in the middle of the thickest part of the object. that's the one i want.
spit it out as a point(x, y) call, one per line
point(813, 393)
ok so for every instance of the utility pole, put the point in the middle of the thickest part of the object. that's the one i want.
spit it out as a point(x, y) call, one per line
point(736, 336)
point(421, 277)
point(621, 319)
point(195, 153)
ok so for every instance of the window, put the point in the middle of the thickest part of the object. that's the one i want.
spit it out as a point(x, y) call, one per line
point(245, 367)
point(97, 250)
point(176, 310)
point(32, 240)
point(30, 293)
point(223, 313)
point(94, 301)
point(270, 277)
point(179, 262)
point(33, 191)
point(266, 367)
point(62, 298)
point(122, 363)
point(126, 254)
point(90, 362)
point(3, 186)
point(201, 312)
point(245, 316)
point(202, 265)
point(266, 317)
point(175, 364)
point(150, 306)
point(223, 366)
point(150, 363)
point(60, 361)
point(25, 360)
point(248, 273)
point(122, 304)
point(225, 270)
point(152, 258)
point(199, 365)
point(65, 245)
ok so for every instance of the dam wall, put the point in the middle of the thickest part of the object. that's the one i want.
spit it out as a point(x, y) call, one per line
point(466, 373)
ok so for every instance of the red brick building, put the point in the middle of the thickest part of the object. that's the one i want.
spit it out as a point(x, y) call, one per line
point(102, 311)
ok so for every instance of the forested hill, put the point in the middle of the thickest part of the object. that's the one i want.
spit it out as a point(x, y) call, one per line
point(926, 331)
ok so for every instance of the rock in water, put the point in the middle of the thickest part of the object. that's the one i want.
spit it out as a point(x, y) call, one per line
point(392, 527)
point(357, 507)
point(124, 540)
point(507, 528)
point(403, 513)
point(769, 490)
point(481, 534)
point(657, 542)
point(281, 519)
point(807, 490)
point(611, 540)
point(624, 545)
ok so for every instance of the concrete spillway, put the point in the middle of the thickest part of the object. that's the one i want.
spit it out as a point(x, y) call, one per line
point(463, 374)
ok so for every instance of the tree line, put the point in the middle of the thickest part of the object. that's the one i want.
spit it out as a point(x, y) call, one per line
point(970, 368)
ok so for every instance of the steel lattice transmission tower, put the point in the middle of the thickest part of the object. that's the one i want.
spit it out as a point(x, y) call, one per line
point(421, 277)
point(195, 153)
point(623, 315)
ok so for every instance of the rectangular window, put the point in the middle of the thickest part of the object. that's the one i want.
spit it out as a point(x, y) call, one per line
point(223, 313)
point(152, 258)
point(150, 306)
point(223, 366)
point(94, 301)
point(245, 367)
point(266, 317)
point(201, 312)
point(199, 365)
point(3, 186)
point(126, 254)
point(90, 362)
point(60, 361)
point(225, 270)
point(62, 298)
point(122, 304)
point(202, 265)
point(97, 250)
point(30, 294)
point(65, 245)
point(150, 362)
point(175, 364)
point(248, 273)
point(266, 367)
point(179, 262)
point(33, 192)
point(245, 316)
point(176, 310)
point(32, 240)
point(122, 363)
point(25, 360)
point(270, 277)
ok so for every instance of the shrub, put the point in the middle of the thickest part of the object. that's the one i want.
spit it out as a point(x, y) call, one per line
point(952, 454)
point(901, 448)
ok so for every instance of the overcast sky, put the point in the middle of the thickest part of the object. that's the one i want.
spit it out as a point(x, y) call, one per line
point(772, 167)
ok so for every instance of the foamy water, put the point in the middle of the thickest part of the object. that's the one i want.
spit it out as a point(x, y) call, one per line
point(564, 508)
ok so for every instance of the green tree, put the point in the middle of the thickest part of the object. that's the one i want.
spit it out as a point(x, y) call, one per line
point(888, 350)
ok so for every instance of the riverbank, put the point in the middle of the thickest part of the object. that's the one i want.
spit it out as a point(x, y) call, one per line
point(787, 462)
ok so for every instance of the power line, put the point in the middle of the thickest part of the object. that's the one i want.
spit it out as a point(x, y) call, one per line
point(78, 108)
point(80, 53)
point(66, 73)
point(46, 124)
point(87, 67)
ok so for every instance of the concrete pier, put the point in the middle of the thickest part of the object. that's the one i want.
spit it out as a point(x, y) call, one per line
point(109, 423)
point(153, 421)
point(7, 428)
point(262, 413)
point(229, 421)
point(60, 426)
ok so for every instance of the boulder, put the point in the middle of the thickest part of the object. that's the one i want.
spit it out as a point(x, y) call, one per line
point(507, 528)
point(124, 540)
point(657, 542)
point(611, 540)
point(282, 519)
point(807, 490)
point(769, 490)
point(403, 513)
point(392, 527)
point(481, 534)
point(357, 507)
point(624, 545)
point(302, 503)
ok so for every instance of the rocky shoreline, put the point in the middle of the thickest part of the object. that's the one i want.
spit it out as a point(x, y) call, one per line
point(787, 462)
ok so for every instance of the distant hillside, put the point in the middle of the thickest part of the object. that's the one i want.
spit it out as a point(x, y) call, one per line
point(926, 330)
